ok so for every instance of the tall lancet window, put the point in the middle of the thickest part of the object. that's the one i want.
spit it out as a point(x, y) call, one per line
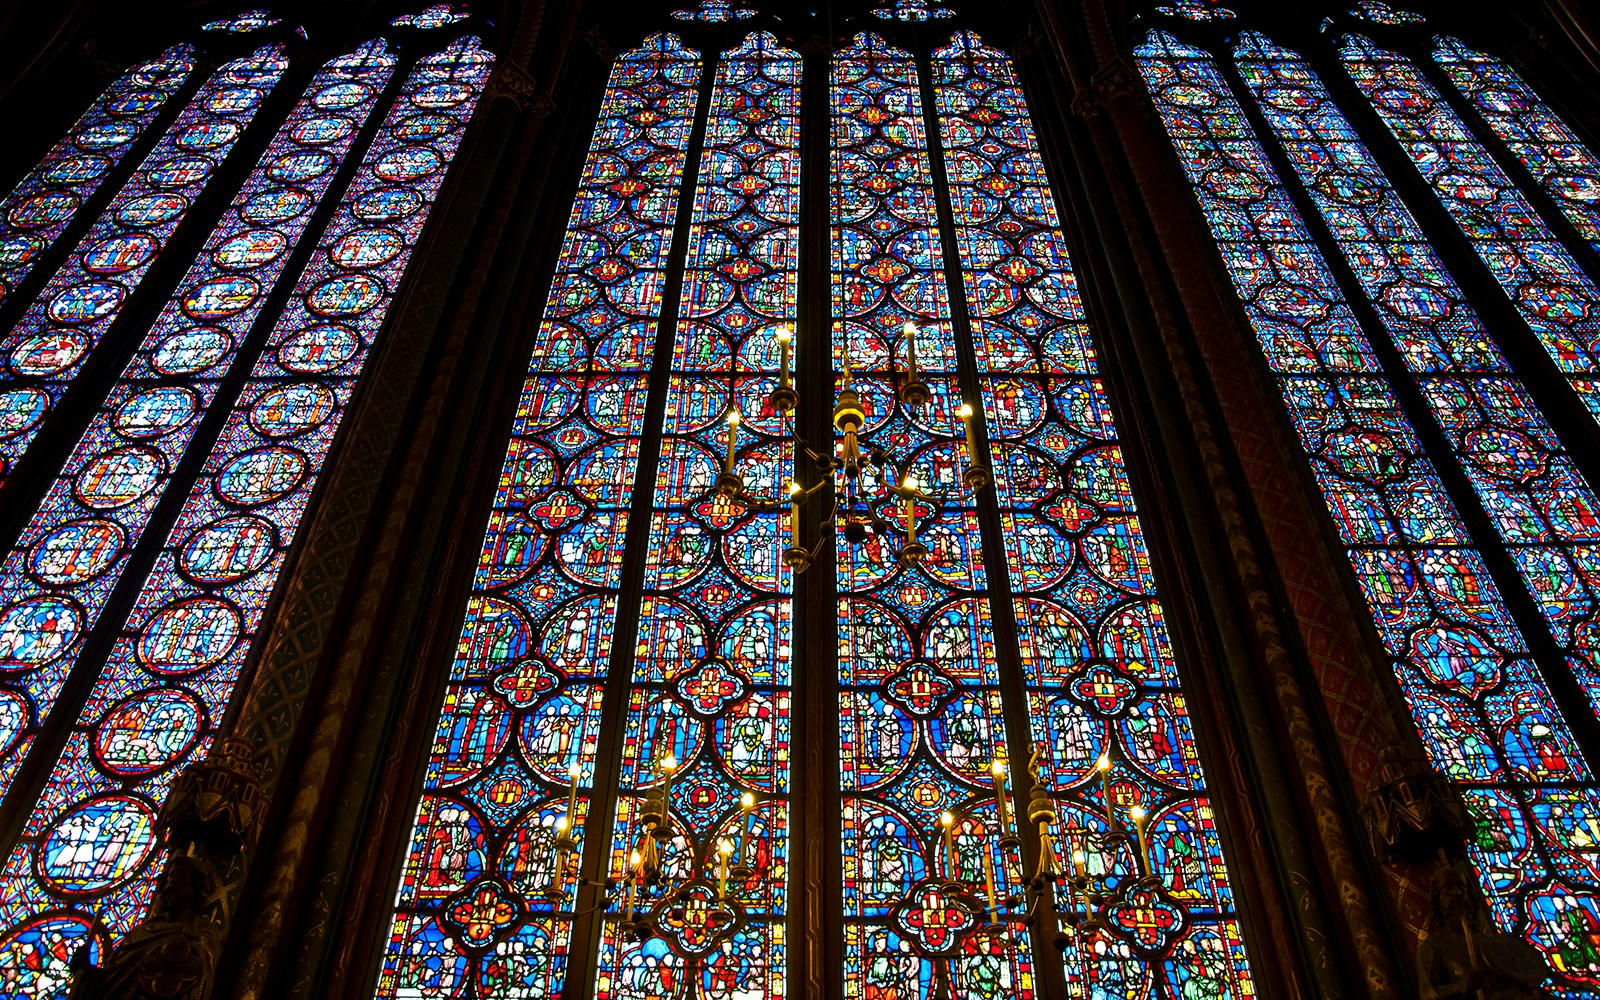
point(134, 593)
point(881, 479)
point(1354, 187)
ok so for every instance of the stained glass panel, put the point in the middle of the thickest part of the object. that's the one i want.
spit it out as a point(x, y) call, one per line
point(1559, 302)
point(920, 700)
point(87, 850)
point(56, 582)
point(478, 901)
point(34, 214)
point(1485, 714)
point(243, 23)
point(1544, 143)
point(45, 350)
point(1097, 659)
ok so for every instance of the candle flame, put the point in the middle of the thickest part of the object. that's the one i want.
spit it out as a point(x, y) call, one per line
point(910, 329)
point(724, 847)
point(1078, 857)
point(997, 768)
point(964, 411)
point(947, 819)
point(669, 763)
point(911, 482)
point(1104, 763)
point(734, 418)
point(785, 333)
point(562, 824)
point(1138, 814)
point(575, 772)
point(794, 487)
point(747, 800)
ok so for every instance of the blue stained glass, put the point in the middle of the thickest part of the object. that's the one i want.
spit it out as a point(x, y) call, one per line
point(1381, 13)
point(1096, 656)
point(1486, 717)
point(522, 706)
point(1559, 302)
point(1538, 137)
point(914, 11)
point(118, 471)
point(45, 350)
point(36, 211)
point(715, 11)
point(712, 680)
point(433, 16)
point(920, 701)
point(243, 23)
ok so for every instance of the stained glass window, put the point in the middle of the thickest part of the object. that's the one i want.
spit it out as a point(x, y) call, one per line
point(85, 866)
point(1486, 715)
point(1558, 300)
point(41, 206)
point(479, 900)
point(44, 352)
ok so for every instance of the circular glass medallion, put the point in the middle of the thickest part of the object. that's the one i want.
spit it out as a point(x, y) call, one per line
point(76, 169)
point(322, 130)
point(294, 168)
point(291, 409)
point(97, 844)
point(75, 552)
point(232, 100)
point(341, 95)
point(179, 171)
point(134, 102)
point(248, 250)
point(228, 549)
point(13, 718)
point(37, 958)
point(189, 351)
point(48, 353)
point(20, 410)
point(155, 412)
point(260, 476)
point(152, 209)
point(106, 135)
point(275, 205)
point(318, 349)
point(118, 477)
point(43, 209)
point(346, 295)
point(18, 249)
point(366, 248)
point(86, 302)
point(188, 636)
point(386, 204)
point(147, 731)
point(421, 128)
point(205, 135)
point(36, 631)
point(408, 163)
point(440, 95)
point(119, 253)
point(220, 297)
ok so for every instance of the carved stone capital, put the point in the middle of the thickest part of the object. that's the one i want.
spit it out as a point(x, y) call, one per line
point(1118, 78)
point(599, 46)
point(208, 826)
point(512, 82)
point(1415, 813)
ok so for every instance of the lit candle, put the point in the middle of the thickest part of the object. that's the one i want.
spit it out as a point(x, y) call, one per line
point(1079, 861)
point(794, 518)
point(1103, 765)
point(747, 802)
point(558, 871)
point(733, 436)
point(1139, 819)
point(911, 351)
point(785, 338)
point(724, 849)
point(988, 881)
point(574, 772)
point(998, 769)
point(844, 354)
point(633, 884)
point(909, 493)
point(964, 411)
point(948, 821)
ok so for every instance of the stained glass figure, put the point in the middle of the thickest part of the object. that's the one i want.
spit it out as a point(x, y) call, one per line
point(1540, 504)
point(1486, 716)
point(920, 702)
point(711, 684)
point(36, 211)
point(87, 848)
point(479, 900)
point(914, 11)
point(45, 350)
point(434, 16)
point(243, 24)
point(1098, 663)
point(1549, 289)
point(715, 11)
point(77, 543)
point(1531, 129)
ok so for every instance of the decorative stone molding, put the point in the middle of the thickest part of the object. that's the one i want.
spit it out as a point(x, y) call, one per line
point(513, 83)
point(599, 46)
point(208, 827)
point(1414, 815)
